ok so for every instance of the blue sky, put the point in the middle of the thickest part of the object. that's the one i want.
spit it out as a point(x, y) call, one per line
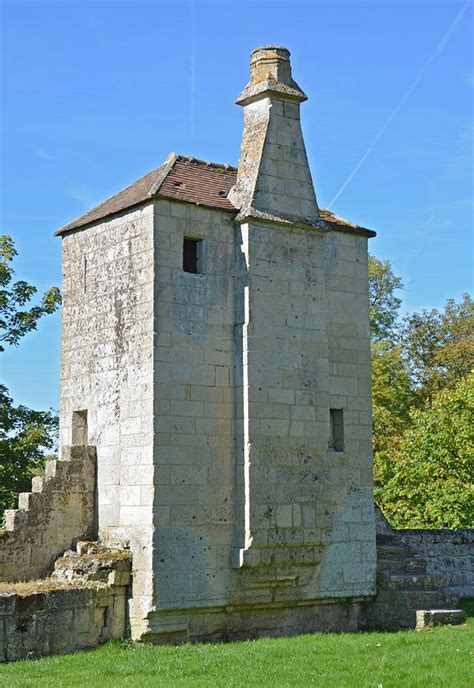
point(95, 94)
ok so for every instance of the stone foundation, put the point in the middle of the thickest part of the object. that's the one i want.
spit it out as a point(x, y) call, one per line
point(253, 621)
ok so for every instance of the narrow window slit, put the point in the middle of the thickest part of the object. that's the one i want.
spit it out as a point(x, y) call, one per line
point(336, 439)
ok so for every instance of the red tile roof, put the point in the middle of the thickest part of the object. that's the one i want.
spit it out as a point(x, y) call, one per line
point(184, 179)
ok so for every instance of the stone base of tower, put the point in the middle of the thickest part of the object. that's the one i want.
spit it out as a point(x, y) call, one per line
point(221, 623)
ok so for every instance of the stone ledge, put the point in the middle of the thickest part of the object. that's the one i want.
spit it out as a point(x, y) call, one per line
point(427, 618)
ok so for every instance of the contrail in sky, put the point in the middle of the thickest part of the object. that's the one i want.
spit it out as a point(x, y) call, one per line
point(401, 102)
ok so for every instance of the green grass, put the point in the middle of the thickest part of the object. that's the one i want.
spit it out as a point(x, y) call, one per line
point(428, 659)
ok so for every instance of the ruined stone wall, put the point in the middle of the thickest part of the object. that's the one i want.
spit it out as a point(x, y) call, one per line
point(81, 605)
point(351, 556)
point(448, 553)
point(107, 370)
point(58, 511)
point(57, 622)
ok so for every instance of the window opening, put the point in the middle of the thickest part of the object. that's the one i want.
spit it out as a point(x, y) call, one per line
point(79, 428)
point(192, 255)
point(336, 440)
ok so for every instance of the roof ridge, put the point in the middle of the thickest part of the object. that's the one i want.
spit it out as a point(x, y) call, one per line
point(167, 167)
point(209, 163)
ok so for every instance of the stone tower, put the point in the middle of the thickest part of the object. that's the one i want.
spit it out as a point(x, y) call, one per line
point(216, 352)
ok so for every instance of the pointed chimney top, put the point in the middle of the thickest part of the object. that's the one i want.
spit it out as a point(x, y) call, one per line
point(270, 75)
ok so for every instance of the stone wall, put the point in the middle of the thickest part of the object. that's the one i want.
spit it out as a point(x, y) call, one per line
point(61, 621)
point(81, 605)
point(194, 408)
point(416, 570)
point(243, 364)
point(58, 511)
point(107, 374)
point(447, 553)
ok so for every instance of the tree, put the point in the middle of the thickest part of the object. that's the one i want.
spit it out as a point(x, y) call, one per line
point(439, 346)
point(392, 396)
point(384, 304)
point(425, 480)
point(25, 434)
point(421, 389)
point(15, 320)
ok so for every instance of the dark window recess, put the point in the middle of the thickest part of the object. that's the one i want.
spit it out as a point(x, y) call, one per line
point(79, 434)
point(336, 440)
point(192, 255)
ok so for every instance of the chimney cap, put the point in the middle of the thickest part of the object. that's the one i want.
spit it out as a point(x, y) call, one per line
point(270, 75)
point(271, 47)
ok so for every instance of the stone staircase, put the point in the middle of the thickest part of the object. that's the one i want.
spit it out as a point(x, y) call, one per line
point(58, 510)
point(403, 586)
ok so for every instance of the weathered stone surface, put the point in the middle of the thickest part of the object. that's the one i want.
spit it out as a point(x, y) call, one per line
point(60, 510)
point(418, 569)
point(81, 605)
point(274, 180)
point(208, 395)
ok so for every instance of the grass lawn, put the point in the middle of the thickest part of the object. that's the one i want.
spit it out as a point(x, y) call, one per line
point(428, 659)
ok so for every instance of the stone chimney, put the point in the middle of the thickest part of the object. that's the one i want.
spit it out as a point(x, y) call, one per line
point(274, 181)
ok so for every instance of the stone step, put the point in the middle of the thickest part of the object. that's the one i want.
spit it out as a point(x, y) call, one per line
point(397, 551)
point(389, 539)
point(406, 582)
point(426, 618)
point(51, 468)
point(25, 499)
point(404, 565)
point(14, 518)
point(37, 484)
point(422, 599)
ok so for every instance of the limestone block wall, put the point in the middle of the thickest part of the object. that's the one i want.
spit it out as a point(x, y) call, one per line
point(57, 622)
point(252, 510)
point(194, 408)
point(448, 553)
point(107, 374)
point(346, 278)
point(81, 605)
point(310, 519)
point(59, 510)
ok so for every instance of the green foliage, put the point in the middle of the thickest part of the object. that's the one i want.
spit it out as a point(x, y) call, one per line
point(439, 658)
point(384, 304)
point(438, 346)
point(24, 434)
point(421, 419)
point(391, 393)
point(24, 437)
point(426, 479)
point(15, 319)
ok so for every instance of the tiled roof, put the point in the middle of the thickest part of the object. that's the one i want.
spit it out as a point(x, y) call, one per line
point(184, 179)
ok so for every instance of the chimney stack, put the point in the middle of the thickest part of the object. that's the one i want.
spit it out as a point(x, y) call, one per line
point(274, 181)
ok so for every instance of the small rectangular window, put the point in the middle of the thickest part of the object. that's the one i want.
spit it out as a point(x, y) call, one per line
point(336, 440)
point(192, 255)
point(79, 434)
